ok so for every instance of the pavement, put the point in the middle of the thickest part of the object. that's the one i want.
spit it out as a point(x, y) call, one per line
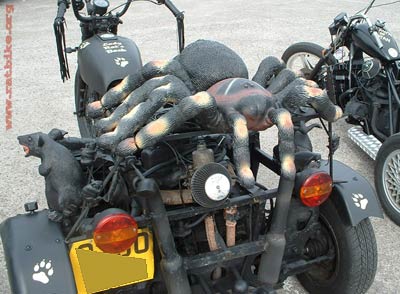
point(254, 29)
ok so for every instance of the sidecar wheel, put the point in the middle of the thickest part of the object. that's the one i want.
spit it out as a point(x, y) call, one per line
point(353, 269)
point(387, 177)
point(83, 96)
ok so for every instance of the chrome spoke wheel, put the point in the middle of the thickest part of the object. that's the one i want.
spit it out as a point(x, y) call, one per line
point(302, 62)
point(391, 179)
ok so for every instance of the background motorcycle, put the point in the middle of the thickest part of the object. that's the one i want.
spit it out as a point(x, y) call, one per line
point(205, 244)
point(104, 57)
point(361, 71)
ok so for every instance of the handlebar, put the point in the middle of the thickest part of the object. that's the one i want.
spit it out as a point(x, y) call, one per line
point(59, 29)
point(75, 7)
point(175, 11)
point(76, 4)
point(62, 8)
point(179, 15)
point(128, 3)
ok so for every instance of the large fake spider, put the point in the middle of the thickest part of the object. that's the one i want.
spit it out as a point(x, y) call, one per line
point(208, 82)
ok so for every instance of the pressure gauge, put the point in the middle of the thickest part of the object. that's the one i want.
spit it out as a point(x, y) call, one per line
point(100, 6)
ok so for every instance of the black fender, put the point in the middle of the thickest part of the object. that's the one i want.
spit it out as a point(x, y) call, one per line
point(107, 58)
point(352, 193)
point(28, 240)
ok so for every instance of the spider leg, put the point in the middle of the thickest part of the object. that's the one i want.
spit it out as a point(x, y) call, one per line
point(319, 99)
point(173, 92)
point(150, 70)
point(287, 96)
point(152, 133)
point(241, 153)
point(282, 80)
point(152, 91)
point(283, 121)
point(303, 93)
point(268, 68)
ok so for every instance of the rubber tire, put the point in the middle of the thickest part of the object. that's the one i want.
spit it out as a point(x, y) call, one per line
point(85, 127)
point(390, 145)
point(316, 50)
point(308, 47)
point(356, 260)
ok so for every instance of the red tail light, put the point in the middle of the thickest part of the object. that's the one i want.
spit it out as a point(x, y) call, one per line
point(316, 189)
point(115, 233)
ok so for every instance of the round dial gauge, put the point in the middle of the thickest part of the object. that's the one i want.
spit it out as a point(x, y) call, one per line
point(217, 187)
point(101, 3)
point(100, 6)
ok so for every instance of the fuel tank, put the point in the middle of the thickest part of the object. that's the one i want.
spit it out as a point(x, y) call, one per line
point(364, 40)
point(106, 58)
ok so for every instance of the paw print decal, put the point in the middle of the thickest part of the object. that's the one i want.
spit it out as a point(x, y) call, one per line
point(122, 62)
point(43, 271)
point(84, 45)
point(360, 201)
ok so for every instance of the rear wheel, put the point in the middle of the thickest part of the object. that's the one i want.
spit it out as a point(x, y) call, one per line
point(353, 269)
point(387, 177)
point(83, 96)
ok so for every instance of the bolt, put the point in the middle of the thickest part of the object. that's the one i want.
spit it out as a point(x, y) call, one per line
point(28, 248)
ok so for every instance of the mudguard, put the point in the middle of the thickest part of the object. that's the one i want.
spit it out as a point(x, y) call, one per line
point(106, 58)
point(352, 193)
point(36, 255)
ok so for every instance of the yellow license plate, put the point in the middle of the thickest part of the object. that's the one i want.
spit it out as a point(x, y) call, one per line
point(96, 271)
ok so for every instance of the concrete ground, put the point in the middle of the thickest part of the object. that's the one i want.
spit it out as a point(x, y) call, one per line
point(254, 29)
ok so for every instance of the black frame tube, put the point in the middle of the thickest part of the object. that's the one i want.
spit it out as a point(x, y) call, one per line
point(271, 259)
point(228, 254)
point(171, 263)
point(392, 93)
point(320, 63)
point(179, 15)
point(259, 197)
point(330, 144)
point(390, 109)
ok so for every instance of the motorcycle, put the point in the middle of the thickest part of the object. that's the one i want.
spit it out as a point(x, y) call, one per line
point(361, 72)
point(120, 56)
point(176, 217)
point(156, 222)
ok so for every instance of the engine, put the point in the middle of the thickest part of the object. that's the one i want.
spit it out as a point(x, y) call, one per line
point(363, 93)
point(190, 168)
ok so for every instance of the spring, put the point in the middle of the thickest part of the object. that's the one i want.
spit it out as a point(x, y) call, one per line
point(316, 247)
